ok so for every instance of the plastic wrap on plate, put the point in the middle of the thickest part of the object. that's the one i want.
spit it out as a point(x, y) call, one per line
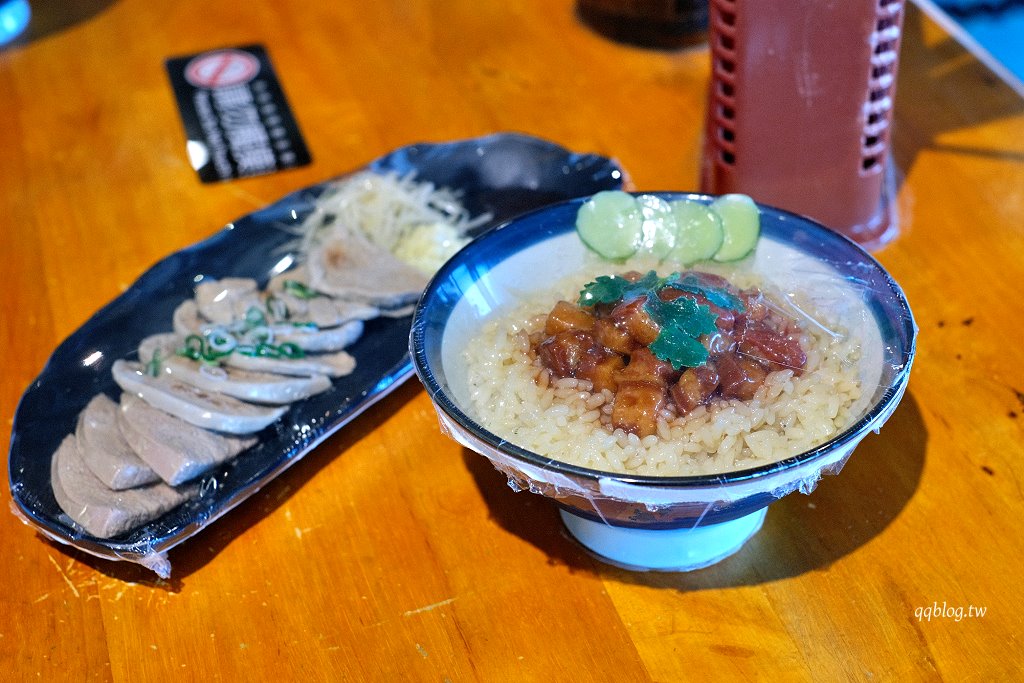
point(498, 176)
point(825, 282)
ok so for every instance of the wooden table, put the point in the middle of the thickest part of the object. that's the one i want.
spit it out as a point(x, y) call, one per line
point(390, 553)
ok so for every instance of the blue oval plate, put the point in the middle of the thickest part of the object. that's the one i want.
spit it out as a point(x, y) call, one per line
point(502, 174)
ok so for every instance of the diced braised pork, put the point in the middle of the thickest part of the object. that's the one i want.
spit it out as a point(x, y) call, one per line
point(603, 372)
point(739, 377)
point(631, 316)
point(777, 350)
point(610, 344)
point(637, 407)
point(644, 366)
point(566, 317)
point(564, 353)
point(641, 393)
point(613, 337)
point(695, 387)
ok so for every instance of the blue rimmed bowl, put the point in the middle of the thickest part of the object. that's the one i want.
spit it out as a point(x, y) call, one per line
point(654, 522)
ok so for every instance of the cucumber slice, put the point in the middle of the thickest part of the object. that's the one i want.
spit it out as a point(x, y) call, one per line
point(659, 228)
point(700, 234)
point(741, 221)
point(611, 224)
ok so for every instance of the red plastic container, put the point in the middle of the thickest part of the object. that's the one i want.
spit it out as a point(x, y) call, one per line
point(800, 109)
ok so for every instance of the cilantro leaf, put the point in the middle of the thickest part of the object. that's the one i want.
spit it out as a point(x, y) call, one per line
point(682, 322)
point(612, 289)
point(683, 313)
point(695, 285)
point(678, 348)
point(649, 283)
point(603, 290)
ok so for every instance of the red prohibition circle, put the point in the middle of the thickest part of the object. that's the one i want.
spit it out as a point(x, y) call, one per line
point(221, 68)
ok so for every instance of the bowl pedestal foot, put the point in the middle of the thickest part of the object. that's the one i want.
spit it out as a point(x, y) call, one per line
point(663, 549)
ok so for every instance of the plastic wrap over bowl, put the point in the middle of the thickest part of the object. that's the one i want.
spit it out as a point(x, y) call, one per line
point(659, 522)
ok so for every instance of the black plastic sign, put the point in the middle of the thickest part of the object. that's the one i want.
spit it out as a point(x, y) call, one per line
point(236, 117)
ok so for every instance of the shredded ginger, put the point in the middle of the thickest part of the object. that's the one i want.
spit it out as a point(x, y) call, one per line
point(421, 224)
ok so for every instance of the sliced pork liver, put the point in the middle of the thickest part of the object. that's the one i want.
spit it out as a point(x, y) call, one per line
point(176, 450)
point(223, 301)
point(104, 450)
point(336, 324)
point(192, 404)
point(331, 364)
point(358, 270)
point(319, 341)
point(256, 387)
point(102, 511)
point(321, 310)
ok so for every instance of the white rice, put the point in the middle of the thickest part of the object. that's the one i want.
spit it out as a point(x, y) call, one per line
point(516, 398)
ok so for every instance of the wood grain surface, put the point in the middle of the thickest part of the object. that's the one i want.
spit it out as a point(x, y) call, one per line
point(391, 553)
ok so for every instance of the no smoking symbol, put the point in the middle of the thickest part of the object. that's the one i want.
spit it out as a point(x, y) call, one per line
point(221, 69)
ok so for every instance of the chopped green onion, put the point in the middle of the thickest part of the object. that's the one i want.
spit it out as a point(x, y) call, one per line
point(220, 341)
point(254, 317)
point(276, 308)
point(259, 349)
point(153, 366)
point(194, 347)
point(207, 350)
point(300, 290)
point(291, 350)
point(264, 350)
point(251, 337)
point(261, 334)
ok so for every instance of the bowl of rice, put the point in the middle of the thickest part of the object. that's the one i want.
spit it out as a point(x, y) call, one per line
point(691, 489)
